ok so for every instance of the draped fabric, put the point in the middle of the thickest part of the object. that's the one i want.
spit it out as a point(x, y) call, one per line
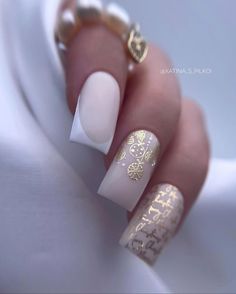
point(57, 234)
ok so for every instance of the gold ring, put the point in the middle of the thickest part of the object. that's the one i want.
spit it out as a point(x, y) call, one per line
point(72, 17)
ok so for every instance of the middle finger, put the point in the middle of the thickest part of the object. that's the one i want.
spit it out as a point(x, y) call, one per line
point(147, 120)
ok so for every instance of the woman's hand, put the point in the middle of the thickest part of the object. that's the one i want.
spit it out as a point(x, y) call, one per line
point(156, 141)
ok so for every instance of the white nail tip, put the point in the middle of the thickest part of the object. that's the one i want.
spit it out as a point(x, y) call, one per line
point(96, 112)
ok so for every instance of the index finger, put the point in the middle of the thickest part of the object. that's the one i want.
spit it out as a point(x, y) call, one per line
point(96, 67)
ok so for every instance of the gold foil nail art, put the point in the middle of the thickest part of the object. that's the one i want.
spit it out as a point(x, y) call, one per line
point(131, 169)
point(154, 222)
point(141, 151)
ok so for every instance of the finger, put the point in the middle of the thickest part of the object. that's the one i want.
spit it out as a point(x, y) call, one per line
point(147, 120)
point(185, 164)
point(172, 190)
point(96, 72)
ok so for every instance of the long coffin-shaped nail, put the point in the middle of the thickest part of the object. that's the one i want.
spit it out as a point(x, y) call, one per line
point(97, 112)
point(131, 169)
point(154, 222)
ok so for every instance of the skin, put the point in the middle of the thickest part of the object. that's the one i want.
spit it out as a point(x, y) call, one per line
point(87, 54)
point(149, 100)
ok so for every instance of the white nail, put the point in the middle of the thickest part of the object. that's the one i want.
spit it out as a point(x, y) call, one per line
point(131, 169)
point(97, 112)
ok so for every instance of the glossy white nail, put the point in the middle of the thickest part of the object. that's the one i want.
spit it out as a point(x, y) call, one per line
point(97, 112)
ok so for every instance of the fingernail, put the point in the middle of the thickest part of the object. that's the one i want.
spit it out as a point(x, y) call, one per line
point(154, 222)
point(97, 112)
point(131, 169)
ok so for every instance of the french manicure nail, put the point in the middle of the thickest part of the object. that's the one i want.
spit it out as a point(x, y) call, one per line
point(131, 169)
point(154, 222)
point(97, 112)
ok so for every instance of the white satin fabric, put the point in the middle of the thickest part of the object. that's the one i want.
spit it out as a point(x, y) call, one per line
point(56, 234)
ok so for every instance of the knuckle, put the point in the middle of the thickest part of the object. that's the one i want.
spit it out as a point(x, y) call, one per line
point(196, 156)
point(163, 86)
point(160, 57)
point(202, 162)
point(196, 161)
point(194, 146)
point(193, 109)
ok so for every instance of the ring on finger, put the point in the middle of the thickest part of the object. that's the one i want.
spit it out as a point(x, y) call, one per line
point(72, 18)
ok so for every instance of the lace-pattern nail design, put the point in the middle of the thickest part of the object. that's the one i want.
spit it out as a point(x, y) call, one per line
point(154, 222)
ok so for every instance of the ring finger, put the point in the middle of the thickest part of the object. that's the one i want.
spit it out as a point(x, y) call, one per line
point(173, 189)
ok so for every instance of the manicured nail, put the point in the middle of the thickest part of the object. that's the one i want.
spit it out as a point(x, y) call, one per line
point(154, 222)
point(97, 112)
point(131, 169)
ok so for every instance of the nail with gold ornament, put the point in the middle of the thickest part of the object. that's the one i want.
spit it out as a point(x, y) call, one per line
point(154, 222)
point(131, 169)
